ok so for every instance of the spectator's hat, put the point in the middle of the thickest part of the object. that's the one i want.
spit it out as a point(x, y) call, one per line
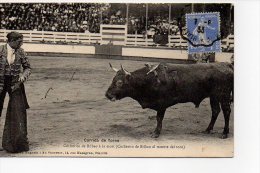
point(12, 36)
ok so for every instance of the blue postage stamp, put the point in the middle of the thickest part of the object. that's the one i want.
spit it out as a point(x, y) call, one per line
point(203, 32)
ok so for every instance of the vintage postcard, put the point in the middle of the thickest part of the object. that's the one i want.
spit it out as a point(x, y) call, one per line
point(117, 79)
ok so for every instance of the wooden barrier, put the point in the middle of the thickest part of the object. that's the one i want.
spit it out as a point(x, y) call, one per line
point(113, 34)
point(54, 37)
point(228, 43)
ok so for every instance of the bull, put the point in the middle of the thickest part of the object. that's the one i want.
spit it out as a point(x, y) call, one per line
point(160, 86)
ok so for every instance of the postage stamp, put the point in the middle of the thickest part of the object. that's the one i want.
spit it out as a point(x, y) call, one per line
point(203, 32)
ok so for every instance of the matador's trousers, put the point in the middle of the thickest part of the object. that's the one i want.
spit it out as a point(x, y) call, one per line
point(15, 129)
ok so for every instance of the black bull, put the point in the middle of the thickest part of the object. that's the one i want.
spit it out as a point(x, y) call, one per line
point(159, 87)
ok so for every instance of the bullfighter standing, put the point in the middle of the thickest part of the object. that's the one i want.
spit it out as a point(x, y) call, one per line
point(14, 70)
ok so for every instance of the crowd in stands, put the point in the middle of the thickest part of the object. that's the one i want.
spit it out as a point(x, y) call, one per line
point(80, 17)
point(163, 27)
point(76, 17)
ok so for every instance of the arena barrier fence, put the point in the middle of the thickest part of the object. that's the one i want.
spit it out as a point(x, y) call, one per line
point(113, 34)
point(109, 34)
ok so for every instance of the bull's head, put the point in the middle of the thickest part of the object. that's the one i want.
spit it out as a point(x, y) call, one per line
point(120, 84)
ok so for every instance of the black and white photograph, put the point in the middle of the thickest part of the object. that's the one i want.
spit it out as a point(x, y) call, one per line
point(117, 80)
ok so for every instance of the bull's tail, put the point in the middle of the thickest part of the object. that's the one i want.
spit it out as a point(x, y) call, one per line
point(231, 65)
point(232, 95)
point(232, 92)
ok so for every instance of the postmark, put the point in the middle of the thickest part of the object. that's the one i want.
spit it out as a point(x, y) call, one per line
point(203, 32)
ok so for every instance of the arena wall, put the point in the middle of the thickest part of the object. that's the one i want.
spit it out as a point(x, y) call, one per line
point(131, 52)
point(54, 48)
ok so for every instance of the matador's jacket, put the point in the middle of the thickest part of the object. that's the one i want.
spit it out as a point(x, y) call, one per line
point(20, 66)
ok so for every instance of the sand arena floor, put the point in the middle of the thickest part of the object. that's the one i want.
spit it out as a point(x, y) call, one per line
point(75, 109)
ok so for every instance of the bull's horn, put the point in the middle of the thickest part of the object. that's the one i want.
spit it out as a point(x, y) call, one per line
point(116, 70)
point(126, 72)
point(153, 69)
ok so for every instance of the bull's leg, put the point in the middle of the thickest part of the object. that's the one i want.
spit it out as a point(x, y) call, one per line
point(225, 105)
point(159, 117)
point(215, 111)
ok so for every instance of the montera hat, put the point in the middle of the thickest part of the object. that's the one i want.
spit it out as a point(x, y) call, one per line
point(12, 36)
